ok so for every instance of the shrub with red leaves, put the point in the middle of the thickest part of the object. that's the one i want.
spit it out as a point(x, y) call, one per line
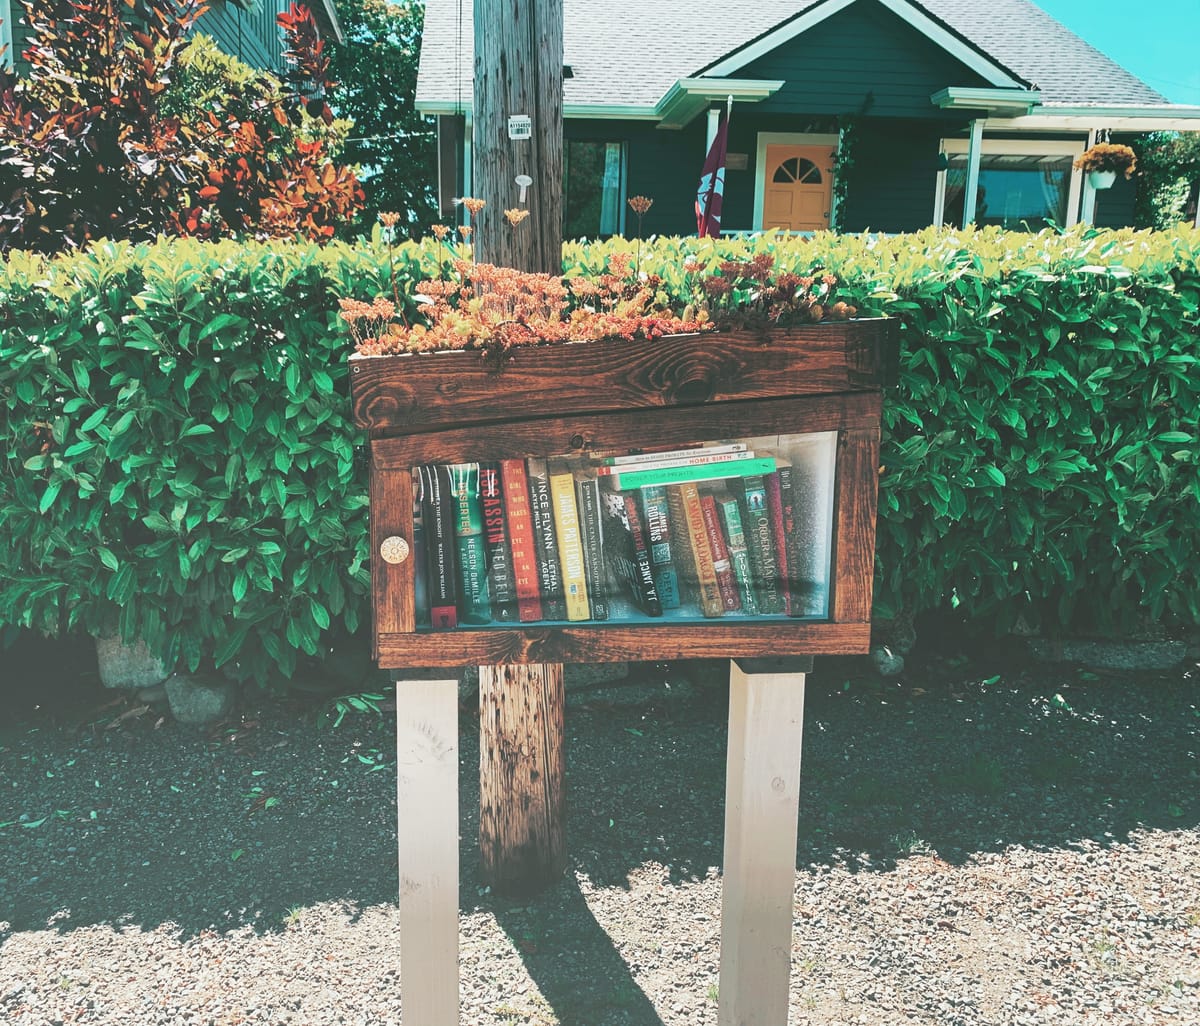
point(87, 150)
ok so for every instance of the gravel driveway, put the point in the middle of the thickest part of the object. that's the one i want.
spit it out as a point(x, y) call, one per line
point(981, 844)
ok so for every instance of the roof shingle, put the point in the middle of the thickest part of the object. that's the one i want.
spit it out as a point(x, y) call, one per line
point(630, 52)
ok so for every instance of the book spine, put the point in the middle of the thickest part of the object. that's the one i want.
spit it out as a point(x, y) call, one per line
point(756, 522)
point(515, 484)
point(554, 606)
point(793, 587)
point(668, 455)
point(587, 496)
point(775, 506)
point(684, 501)
point(570, 542)
point(739, 554)
point(699, 458)
point(722, 564)
point(474, 604)
point(658, 537)
point(684, 472)
point(438, 518)
point(502, 583)
point(625, 548)
point(420, 557)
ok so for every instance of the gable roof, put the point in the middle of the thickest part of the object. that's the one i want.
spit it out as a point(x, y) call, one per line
point(626, 55)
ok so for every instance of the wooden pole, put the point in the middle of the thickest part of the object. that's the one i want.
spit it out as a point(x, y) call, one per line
point(762, 796)
point(427, 836)
point(518, 73)
point(522, 837)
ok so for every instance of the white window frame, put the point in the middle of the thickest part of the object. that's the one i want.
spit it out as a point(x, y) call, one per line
point(1029, 147)
point(766, 139)
point(6, 32)
point(623, 184)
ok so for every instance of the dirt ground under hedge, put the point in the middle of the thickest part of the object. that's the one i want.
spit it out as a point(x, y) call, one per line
point(980, 843)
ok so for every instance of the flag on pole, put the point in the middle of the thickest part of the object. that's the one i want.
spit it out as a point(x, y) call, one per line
point(712, 184)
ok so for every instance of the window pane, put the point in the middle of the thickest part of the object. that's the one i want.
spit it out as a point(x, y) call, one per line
point(593, 193)
point(1015, 190)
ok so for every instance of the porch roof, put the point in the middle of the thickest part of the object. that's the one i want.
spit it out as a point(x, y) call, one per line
point(627, 56)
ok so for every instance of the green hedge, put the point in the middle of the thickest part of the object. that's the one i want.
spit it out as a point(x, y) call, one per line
point(178, 462)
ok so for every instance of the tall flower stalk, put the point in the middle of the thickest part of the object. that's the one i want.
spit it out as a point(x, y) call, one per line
point(639, 205)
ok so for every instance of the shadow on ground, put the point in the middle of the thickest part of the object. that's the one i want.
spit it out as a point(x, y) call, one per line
point(130, 825)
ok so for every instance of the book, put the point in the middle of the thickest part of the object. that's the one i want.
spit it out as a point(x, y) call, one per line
point(693, 549)
point(794, 588)
point(626, 550)
point(545, 538)
point(678, 473)
point(591, 527)
point(739, 555)
point(437, 516)
point(657, 518)
point(474, 604)
point(515, 485)
point(756, 522)
point(722, 564)
point(666, 455)
point(570, 541)
point(776, 501)
point(502, 583)
point(420, 560)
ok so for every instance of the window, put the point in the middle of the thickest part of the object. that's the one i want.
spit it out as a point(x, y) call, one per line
point(593, 189)
point(798, 170)
point(1022, 183)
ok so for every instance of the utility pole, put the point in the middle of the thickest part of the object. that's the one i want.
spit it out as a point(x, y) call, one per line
point(518, 132)
point(518, 164)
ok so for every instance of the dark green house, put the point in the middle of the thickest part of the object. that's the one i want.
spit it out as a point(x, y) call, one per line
point(861, 115)
point(245, 29)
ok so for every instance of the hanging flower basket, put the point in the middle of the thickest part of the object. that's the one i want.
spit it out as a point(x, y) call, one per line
point(1102, 179)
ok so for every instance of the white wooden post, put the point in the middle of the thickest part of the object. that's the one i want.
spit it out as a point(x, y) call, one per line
point(1087, 212)
point(427, 836)
point(762, 796)
point(974, 152)
point(714, 120)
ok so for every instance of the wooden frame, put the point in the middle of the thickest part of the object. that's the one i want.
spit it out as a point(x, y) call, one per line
point(568, 400)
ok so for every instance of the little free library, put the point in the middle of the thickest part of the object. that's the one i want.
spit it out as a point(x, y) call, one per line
point(691, 497)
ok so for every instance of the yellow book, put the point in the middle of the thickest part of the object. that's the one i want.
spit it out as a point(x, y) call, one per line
point(570, 541)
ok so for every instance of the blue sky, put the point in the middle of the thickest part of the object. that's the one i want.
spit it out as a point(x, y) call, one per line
point(1158, 40)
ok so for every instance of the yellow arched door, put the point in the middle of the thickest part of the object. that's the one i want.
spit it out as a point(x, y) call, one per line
point(799, 188)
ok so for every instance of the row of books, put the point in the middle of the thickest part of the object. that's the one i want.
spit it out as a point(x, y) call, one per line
point(707, 530)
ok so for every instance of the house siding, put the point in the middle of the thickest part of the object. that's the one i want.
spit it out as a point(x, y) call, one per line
point(864, 59)
point(892, 183)
point(250, 34)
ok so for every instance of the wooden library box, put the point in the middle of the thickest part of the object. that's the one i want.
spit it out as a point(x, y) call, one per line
point(697, 496)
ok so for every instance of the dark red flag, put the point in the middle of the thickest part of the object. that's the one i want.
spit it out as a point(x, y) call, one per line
point(712, 184)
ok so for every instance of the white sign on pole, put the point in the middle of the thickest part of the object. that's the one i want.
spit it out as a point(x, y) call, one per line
point(520, 126)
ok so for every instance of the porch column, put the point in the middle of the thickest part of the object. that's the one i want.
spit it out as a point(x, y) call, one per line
point(1087, 212)
point(714, 119)
point(974, 150)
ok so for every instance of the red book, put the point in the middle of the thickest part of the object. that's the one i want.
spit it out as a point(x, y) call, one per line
point(520, 535)
point(722, 564)
point(775, 504)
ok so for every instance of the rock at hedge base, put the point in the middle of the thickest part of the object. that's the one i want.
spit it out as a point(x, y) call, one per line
point(128, 665)
point(199, 701)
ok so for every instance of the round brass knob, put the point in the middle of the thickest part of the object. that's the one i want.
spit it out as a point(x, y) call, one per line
point(394, 549)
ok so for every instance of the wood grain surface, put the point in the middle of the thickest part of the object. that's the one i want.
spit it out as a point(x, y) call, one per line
point(522, 829)
point(427, 392)
point(607, 644)
point(577, 434)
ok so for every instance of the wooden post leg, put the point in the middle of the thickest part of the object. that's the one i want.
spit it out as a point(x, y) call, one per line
point(522, 834)
point(427, 804)
point(762, 794)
